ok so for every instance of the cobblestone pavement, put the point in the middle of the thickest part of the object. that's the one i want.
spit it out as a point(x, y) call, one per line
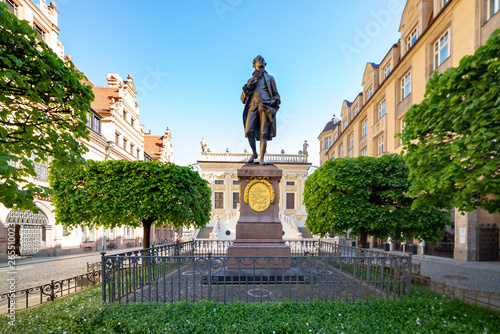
point(484, 276)
point(35, 271)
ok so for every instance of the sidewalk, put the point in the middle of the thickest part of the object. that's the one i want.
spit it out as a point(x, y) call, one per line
point(35, 271)
point(484, 276)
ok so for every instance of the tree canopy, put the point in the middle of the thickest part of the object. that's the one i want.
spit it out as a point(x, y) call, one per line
point(43, 108)
point(117, 193)
point(368, 196)
point(452, 138)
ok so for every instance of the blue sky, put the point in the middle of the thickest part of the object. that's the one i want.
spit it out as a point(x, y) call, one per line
point(190, 59)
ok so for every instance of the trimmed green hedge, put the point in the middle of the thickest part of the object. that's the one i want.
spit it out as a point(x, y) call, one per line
point(425, 312)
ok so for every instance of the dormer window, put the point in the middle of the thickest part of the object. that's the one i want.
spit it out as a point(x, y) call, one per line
point(94, 122)
point(356, 110)
point(328, 142)
point(411, 39)
point(370, 92)
point(387, 70)
point(11, 7)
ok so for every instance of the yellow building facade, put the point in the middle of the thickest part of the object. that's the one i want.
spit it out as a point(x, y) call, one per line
point(435, 35)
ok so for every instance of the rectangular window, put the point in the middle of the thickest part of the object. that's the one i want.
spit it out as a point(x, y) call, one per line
point(138, 153)
point(40, 34)
point(117, 139)
point(351, 140)
point(442, 49)
point(364, 127)
point(406, 86)
point(411, 39)
point(83, 238)
point(124, 115)
point(219, 181)
point(219, 200)
point(290, 201)
point(11, 7)
point(131, 148)
point(335, 137)
point(112, 235)
point(132, 121)
point(381, 109)
point(356, 110)
point(364, 152)
point(91, 235)
point(493, 6)
point(290, 183)
point(94, 122)
point(341, 153)
point(328, 142)
point(370, 92)
point(387, 70)
point(124, 144)
point(236, 200)
point(236, 183)
point(381, 147)
point(345, 125)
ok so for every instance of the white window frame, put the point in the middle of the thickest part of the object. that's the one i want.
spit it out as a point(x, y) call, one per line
point(14, 6)
point(364, 152)
point(380, 144)
point(369, 92)
point(406, 85)
point(387, 69)
point(345, 124)
point(328, 142)
point(442, 43)
point(364, 127)
point(341, 151)
point(493, 6)
point(381, 109)
point(356, 109)
point(412, 38)
point(124, 141)
point(351, 140)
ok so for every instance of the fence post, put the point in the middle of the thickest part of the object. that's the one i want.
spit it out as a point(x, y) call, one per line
point(103, 271)
point(209, 278)
point(410, 269)
point(52, 293)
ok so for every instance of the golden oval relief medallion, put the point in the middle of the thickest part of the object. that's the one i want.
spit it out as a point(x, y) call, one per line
point(259, 194)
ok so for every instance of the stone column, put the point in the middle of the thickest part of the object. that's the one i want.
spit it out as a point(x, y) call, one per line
point(259, 231)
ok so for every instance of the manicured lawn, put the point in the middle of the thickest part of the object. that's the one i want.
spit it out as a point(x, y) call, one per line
point(425, 312)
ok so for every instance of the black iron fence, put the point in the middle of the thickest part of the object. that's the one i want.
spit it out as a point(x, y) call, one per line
point(25, 298)
point(200, 270)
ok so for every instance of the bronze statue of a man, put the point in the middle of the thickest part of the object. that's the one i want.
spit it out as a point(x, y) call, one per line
point(262, 102)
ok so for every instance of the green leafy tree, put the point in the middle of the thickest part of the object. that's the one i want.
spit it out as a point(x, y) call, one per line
point(43, 109)
point(452, 138)
point(368, 196)
point(131, 193)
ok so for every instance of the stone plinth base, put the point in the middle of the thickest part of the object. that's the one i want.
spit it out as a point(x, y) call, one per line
point(259, 232)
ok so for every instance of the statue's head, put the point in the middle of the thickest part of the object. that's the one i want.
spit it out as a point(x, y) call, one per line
point(259, 62)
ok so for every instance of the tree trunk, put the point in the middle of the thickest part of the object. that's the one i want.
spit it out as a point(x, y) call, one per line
point(146, 230)
point(363, 235)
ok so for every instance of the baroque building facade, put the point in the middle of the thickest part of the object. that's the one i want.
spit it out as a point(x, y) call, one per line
point(220, 170)
point(115, 134)
point(435, 35)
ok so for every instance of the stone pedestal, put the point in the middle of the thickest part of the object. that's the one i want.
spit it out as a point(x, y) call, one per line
point(259, 231)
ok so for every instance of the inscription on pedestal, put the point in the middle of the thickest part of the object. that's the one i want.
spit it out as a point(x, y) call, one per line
point(259, 194)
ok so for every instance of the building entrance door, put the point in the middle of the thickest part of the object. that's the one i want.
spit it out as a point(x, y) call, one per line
point(30, 230)
point(488, 242)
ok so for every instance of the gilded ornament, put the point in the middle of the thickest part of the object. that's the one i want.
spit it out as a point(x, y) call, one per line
point(259, 194)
